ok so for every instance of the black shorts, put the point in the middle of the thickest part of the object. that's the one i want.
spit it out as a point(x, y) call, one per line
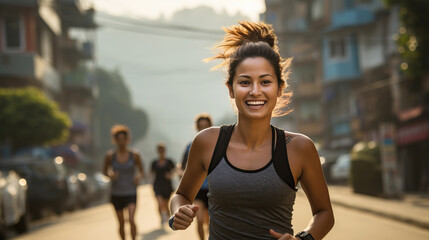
point(164, 191)
point(202, 196)
point(120, 202)
point(165, 194)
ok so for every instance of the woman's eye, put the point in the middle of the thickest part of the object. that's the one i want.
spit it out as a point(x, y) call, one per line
point(265, 82)
point(244, 82)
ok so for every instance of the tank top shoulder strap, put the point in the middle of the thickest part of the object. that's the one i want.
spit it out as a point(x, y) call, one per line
point(221, 146)
point(131, 156)
point(281, 161)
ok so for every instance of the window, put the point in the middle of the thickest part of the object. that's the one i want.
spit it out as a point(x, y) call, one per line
point(337, 48)
point(12, 32)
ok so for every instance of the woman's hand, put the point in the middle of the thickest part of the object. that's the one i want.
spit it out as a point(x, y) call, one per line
point(280, 236)
point(137, 180)
point(184, 216)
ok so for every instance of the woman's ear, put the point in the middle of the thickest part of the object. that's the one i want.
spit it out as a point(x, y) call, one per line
point(231, 92)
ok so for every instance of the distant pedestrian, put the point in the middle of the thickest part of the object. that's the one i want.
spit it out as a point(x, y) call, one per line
point(252, 167)
point(202, 121)
point(163, 169)
point(125, 170)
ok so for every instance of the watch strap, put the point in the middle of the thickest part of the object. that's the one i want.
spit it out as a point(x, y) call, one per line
point(170, 223)
point(304, 235)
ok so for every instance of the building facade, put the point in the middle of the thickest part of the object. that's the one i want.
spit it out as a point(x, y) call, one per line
point(347, 80)
point(36, 49)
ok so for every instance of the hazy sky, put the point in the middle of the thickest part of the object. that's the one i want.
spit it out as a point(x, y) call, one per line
point(165, 74)
point(154, 8)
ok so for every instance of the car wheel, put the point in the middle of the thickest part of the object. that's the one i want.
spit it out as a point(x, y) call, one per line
point(59, 209)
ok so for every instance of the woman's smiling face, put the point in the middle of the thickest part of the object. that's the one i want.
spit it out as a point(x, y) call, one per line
point(255, 88)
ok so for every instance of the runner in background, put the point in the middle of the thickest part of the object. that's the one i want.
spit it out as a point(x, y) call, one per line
point(121, 165)
point(163, 169)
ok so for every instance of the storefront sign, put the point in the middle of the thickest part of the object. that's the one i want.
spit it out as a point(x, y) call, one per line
point(413, 133)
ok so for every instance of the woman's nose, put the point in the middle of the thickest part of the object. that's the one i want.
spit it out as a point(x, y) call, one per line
point(256, 89)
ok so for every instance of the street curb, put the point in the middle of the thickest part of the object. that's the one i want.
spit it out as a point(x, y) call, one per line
point(407, 220)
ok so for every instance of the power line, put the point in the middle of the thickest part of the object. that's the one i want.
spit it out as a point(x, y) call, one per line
point(113, 22)
point(140, 23)
point(156, 33)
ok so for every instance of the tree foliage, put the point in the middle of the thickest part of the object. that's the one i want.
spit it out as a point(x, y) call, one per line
point(115, 107)
point(29, 118)
point(413, 37)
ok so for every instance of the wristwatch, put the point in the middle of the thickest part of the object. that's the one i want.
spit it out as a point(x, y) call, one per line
point(170, 223)
point(304, 235)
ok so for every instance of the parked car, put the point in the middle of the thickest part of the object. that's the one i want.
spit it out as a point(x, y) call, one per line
point(328, 157)
point(13, 203)
point(340, 171)
point(103, 186)
point(46, 179)
point(73, 193)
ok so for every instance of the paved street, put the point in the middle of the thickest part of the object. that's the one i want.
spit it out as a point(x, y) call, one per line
point(99, 223)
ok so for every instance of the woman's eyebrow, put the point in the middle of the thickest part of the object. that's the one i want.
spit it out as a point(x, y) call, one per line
point(244, 76)
point(264, 75)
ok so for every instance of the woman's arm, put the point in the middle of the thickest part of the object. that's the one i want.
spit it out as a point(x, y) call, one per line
point(106, 165)
point(314, 185)
point(193, 177)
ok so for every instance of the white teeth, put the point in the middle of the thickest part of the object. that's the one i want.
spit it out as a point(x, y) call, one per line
point(255, 102)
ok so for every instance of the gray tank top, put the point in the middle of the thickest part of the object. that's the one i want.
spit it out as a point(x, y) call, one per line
point(124, 184)
point(246, 204)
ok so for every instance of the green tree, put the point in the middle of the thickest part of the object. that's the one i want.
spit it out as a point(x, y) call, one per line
point(413, 38)
point(29, 118)
point(115, 107)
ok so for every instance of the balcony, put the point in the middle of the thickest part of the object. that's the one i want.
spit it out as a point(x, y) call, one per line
point(80, 82)
point(341, 71)
point(76, 50)
point(29, 66)
point(351, 18)
point(340, 65)
point(74, 14)
point(79, 79)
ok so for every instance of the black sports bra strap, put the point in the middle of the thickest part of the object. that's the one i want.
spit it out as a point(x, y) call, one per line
point(221, 146)
point(281, 161)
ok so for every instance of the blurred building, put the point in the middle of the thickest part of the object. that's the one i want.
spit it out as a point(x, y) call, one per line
point(36, 49)
point(29, 36)
point(347, 81)
point(79, 88)
point(299, 31)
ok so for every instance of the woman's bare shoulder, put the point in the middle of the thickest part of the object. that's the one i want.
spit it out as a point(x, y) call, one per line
point(109, 153)
point(299, 143)
point(296, 138)
point(134, 152)
point(207, 136)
